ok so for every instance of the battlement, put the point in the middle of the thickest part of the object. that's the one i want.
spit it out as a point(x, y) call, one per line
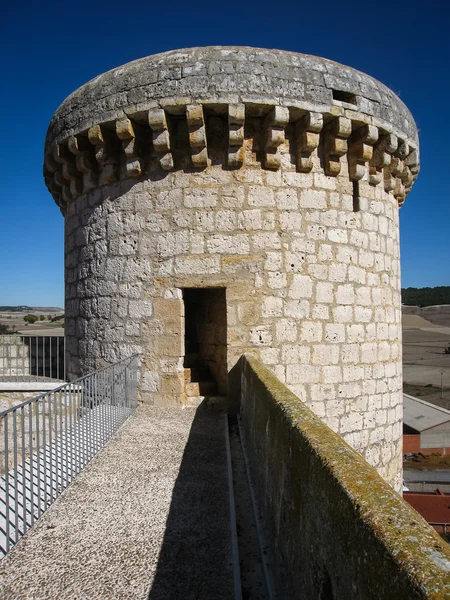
point(189, 109)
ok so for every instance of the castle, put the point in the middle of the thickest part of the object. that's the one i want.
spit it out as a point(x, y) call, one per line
point(224, 201)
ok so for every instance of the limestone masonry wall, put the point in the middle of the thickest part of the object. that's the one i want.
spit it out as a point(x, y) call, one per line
point(272, 175)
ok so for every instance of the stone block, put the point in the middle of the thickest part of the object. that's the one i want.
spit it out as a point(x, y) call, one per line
point(299, 309)
point(228, 244)
point(325, 354)
point(320, 311)
point(201, 265)
point(226, 220)
point(140, 309)
point(286, 330)
point(301, 287)
point(250, 220)
point(272, 306)
point(287, 199)
point(270, 241)
point(170, 346)
point(291, 353)
point(260, 196)
point(324, 292)
point(151, 381)
point(335, 333)
point(260, 336)
point(345, 294)
point(276, 280)
point(311, 331)
point(368, 353)
point(313, 199)
point(302, 374)
point(290, 221)
point(171, 244)
point(331, 374)
point(200, 198)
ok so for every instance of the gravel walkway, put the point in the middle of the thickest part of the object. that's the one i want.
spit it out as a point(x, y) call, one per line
point(147, 519)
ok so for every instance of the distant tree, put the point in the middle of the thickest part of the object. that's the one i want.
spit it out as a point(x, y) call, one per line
point(49, 317)
point(58, 318)
point(6, 330)
point(426, 296)
point(30, 318)
point(41, 317)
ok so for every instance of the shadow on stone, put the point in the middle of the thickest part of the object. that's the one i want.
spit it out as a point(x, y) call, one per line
point(195, 560)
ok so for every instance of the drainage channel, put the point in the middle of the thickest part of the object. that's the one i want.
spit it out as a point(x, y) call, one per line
point(253, 555)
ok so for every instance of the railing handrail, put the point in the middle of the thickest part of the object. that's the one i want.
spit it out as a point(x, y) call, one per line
point(48, 440)
point(6, 335)
point(63, 385)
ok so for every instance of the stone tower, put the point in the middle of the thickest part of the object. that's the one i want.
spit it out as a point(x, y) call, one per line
point(221, 201)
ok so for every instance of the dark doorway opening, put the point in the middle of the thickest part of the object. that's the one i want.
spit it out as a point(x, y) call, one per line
point(205, 318)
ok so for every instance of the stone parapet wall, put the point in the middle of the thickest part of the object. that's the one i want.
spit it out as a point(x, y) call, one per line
point(338, 530)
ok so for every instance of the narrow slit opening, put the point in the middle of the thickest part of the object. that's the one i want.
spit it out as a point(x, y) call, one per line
point(342, 96)
point(356, 207)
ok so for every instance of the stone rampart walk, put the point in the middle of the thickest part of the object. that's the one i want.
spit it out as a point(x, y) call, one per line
point(147, 519)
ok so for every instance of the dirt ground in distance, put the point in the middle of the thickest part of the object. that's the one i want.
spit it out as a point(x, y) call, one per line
point(425, 360)
point(14, 320)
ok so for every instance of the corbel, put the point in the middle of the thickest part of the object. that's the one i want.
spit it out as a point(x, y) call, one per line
point(236, 122)
point(274, 135)
point(307, 136)
point(104, 153)
point(381, 158)
point(127, 132)
point(361, 150)
point(84, 160)
point(60, 156)
point(410, 170)
point(335, 144)
point(197, 135)
point(161, 138)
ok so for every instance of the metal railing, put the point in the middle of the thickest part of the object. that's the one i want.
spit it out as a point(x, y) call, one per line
point(32, 357)
point(48, 440)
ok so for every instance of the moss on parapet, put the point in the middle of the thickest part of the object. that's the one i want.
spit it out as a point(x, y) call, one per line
point(334, 521)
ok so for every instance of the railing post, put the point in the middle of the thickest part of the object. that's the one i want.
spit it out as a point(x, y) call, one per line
point(7, 517)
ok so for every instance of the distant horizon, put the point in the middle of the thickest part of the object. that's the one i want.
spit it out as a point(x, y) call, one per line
point(5, 307)
point(60, 303)
point(60, 306)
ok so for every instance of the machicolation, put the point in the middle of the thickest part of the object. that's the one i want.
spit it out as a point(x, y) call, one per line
point(221, 201)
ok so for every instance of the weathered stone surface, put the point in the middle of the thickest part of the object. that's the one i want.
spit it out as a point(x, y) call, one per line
point(102, 132)
point(240, 71)
point(227, 171)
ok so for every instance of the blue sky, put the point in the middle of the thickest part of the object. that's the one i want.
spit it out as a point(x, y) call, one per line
point(51, 48)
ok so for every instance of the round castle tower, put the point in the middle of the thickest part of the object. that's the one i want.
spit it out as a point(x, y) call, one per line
point(221, 201)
